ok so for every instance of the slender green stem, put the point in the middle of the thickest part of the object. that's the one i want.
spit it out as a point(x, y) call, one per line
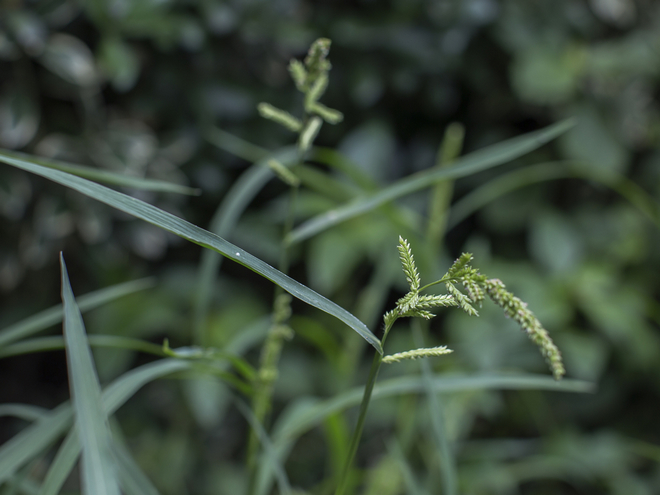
point(342, 485)
point(441, 281)
point(357, 433)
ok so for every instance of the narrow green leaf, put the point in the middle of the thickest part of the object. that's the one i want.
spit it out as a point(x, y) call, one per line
point(43, 344)
point(98, 469)
point(471, 163)
point(23, 411)
point(104, 176)
point(53, 316)
point(235, 145)
point(34, 439)
point(195, 234)
point(293, 426)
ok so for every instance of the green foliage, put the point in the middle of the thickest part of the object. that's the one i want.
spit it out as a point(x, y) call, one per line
point(160, 100)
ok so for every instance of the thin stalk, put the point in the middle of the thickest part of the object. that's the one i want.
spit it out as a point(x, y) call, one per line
point(364, 406)
point(357, 433)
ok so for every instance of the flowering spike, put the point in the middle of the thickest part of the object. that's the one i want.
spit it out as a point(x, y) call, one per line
point(461, 299)
point(517, 309)
point(408, 263)
point(417, 354)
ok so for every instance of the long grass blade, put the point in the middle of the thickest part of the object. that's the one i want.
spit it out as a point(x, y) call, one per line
point(34, 439)
point(235, 145)
point(53, 316)
point(104, 176)
point(317, 412)
point(54, 343)
point(23, 411)
point(471, 163)
point(206, 239)
point(98, 468)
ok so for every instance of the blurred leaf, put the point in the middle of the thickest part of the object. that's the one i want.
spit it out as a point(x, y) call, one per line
point(546, 76)
point(19, 119)
point(471, 163)
point(103, 176)
point(292, 425)
point(119, 63)
point(62, 465)
point(593, 142)
point(555, 242)
point(31, 441)
point(23, 411)
point(52, 316)
point(371, 147)
point(131, 477)
point(71, 59)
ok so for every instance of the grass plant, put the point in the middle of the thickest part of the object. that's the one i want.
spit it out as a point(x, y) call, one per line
point(107, 466)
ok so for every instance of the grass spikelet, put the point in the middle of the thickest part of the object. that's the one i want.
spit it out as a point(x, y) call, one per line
point(408, 263)
point(517, 309)
point(417, 354)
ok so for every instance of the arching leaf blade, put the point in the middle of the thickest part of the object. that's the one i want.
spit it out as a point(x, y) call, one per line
point(197, 235)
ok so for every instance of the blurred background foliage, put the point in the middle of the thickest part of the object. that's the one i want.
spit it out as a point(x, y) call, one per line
point(142, 87)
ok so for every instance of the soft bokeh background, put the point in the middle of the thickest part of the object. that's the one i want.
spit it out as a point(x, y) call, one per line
point(134, 87)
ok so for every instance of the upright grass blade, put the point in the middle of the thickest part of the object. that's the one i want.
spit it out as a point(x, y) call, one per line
point(98, 467)
point(477, 161)
point(104, 176)
point(437, 414)
point(52, 316)
point(34, 439)
point(195, 234)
